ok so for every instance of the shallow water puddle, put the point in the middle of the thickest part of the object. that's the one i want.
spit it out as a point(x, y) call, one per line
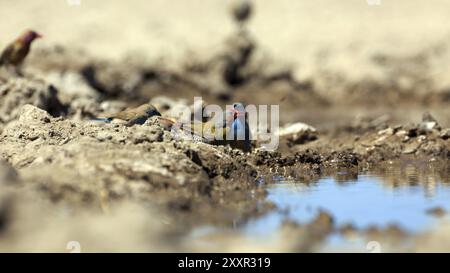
point(364, 202)
point(394, 197)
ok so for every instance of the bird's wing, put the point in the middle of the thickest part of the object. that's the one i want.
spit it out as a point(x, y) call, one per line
point(210, 130)
point(6, 54)
point(15, 53)
point(137, 119)
point(197, 131)
point(126, 115)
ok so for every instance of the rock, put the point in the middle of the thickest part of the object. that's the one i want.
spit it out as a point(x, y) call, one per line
point(425, 127)
point(387, 131)
point(437, 212)
point(422, 138)
point(30, 113)
point(298, 133)
point(445, 134)
point(428, 123)
point(104, 136)
point(295, 128)
point(18, 92)
point(411, 148)
point(401, 133)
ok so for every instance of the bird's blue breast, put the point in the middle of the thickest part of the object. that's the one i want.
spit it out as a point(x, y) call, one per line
point(238, 129)
point(140, 120)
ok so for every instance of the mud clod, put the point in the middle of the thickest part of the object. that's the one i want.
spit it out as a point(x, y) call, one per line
point(18, 92)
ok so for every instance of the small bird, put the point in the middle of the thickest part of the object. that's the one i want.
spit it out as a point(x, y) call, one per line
point(133, 116)
point(15, 53)
point(239, 129)
point(233, 130)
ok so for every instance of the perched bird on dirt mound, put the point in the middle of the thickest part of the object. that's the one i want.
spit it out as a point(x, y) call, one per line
point(233, 130)
point(239, 128)
point(15, 53)
point(133, 116)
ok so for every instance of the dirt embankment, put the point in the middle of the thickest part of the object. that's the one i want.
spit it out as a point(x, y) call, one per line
point(63, 159)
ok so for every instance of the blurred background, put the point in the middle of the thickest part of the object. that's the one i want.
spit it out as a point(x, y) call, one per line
point(295, 31)
point(347, 52)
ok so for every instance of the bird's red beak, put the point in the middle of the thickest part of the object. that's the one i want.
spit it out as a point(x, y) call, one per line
point(38, 36)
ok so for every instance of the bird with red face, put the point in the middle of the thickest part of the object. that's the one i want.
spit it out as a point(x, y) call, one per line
point(16, 52)
point(238, 131)
point(233, 130)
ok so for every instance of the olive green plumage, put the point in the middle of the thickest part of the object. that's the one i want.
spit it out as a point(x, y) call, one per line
point(233, 131)
point(138, 115)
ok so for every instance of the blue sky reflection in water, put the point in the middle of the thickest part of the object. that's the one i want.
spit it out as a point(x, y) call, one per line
point(363, 202)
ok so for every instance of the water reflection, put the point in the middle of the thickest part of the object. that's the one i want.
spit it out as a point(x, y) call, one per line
point(397, 193)
point(423, 174)
point(343, 211)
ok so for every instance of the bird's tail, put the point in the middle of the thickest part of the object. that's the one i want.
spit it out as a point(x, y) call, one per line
point(107, 120)
point(198, 132)
point(167, 123)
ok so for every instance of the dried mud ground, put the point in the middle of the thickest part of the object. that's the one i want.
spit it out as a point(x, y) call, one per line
point(114, 188)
